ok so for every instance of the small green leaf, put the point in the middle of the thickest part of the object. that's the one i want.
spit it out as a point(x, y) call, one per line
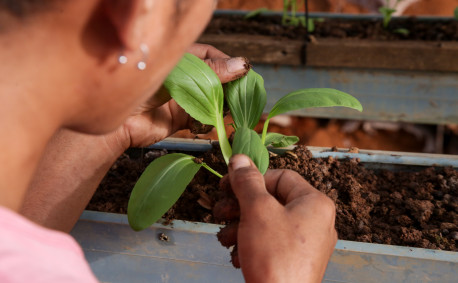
point(255, 13)
point(402, 31)
point(159, 187)
point(314, 97)
point(197, 89)
point(246, 98)
point(455, 13)
point(386, 13)
point(279, 140)
point(246, 141)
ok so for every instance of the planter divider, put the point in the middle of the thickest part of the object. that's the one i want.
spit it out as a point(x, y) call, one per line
point(365, 156)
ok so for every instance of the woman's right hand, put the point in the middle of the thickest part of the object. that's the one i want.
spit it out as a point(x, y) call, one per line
point(286, 231)
point(161, 116)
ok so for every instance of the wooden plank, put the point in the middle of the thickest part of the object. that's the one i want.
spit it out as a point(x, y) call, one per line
point(399, 55)
point(394, 55)
point(258, 49)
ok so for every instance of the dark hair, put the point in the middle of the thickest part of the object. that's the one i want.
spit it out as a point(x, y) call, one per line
point(20, 8)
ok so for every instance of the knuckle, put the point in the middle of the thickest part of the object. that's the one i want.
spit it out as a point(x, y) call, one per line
point(328, 208)
point(293, 175)
point(205, 46)
point(247, 176)
point(262, 203)
point(290, 173)
point(218, 66)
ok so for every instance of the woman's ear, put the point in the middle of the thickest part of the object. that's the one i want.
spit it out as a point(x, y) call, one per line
point(128, 18)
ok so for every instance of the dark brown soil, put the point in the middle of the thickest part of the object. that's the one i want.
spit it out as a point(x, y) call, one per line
point(418, 209)
point(444, 30)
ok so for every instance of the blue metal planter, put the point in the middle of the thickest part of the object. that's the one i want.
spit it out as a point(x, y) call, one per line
point(399, 96)
point(193, 254)
point(189, 252)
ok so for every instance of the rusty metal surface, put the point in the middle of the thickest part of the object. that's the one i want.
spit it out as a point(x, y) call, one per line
point(192, 254)
point(408, 96)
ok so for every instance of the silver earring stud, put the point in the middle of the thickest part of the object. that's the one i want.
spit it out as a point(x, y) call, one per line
point(122, 59)
point(141, 65)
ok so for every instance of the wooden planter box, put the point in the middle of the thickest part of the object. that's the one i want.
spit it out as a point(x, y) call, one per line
point(189, 252)
point(397, 55)
point(331, 52)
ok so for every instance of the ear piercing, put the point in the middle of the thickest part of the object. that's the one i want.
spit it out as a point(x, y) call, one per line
point(122, 59)
point(141, 65)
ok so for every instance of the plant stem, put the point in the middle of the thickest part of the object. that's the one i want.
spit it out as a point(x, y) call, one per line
point(264, 131)
point(223, 141)
point(285, 12)
point(211, 170)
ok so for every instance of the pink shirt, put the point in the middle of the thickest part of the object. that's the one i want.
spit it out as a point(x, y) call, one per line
point(31, 253)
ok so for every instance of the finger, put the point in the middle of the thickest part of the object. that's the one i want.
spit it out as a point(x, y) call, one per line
point(287, 185)
point(180, 119)
point(229, 69)
point(205, 51)
point(247, 183)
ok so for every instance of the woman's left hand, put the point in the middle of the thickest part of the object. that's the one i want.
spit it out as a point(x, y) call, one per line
point(152, 123)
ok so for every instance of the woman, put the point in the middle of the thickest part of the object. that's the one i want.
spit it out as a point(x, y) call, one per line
point(77, 81)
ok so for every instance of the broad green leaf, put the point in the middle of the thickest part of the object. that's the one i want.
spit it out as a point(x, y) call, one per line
point(279, 140)
point(314, 97)
point(197, 89)
point(246, 141)
point(246, 98)
point(159, 187)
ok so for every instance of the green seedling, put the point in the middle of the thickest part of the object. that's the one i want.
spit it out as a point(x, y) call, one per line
point(290, 17)
point(197, 89)
point(387, 14)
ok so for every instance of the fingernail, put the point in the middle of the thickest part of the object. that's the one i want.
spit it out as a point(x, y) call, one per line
point(240, 161)
point(236, 65)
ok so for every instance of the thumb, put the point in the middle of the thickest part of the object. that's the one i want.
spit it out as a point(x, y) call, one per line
point(246, 181)
point(229, 69)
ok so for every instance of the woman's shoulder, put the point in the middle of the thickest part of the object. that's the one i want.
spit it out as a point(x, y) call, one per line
point(29, 251)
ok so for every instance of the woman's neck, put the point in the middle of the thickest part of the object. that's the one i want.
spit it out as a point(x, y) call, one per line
point(34, 103)
point(25, 133)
